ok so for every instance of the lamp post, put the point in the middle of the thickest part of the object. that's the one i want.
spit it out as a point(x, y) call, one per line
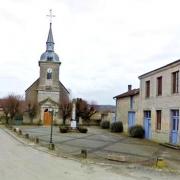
point(51, 144)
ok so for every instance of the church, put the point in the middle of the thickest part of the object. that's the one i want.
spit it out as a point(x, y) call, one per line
point(47, 92)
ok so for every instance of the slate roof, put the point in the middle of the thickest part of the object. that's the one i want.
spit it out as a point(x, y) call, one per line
point(159, 69)
point(37, 81)
point(127, 94)
point(49, 54)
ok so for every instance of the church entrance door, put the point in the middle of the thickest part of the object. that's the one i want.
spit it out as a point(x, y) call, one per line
point(47, 118)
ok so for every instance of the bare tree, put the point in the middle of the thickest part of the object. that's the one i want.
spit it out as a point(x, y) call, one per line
point(5, 108)
point(32, 111)
point(84, 110)
point(12, 106)
point(65, 108)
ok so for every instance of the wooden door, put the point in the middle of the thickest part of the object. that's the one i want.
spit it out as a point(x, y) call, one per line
point(47, 118)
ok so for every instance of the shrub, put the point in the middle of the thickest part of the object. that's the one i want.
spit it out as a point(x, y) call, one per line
point(18, 117)
point(39, 122)
point(117, 127)
point(63, 129)
point(105, 124)
point(82, 130)
point(136, 131)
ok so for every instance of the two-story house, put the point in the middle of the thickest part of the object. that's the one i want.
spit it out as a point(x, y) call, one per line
point(127, 107)
point(159, 103)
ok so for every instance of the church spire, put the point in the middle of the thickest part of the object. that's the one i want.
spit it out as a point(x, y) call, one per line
point(49, 54)
point(50, 41)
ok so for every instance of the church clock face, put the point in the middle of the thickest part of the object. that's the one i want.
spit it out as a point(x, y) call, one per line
point(49, 73)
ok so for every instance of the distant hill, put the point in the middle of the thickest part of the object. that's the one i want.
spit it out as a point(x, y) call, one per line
point(103, 108)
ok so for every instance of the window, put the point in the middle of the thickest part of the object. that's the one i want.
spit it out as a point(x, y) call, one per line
point(159, 86)
point(158, 120)
point(147, 89)
point(147, 114)
point(49, 73)
point(131, 102)
point(175, 120)
point(175, 82)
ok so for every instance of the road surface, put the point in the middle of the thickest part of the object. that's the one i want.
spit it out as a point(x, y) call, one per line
point(22, 162)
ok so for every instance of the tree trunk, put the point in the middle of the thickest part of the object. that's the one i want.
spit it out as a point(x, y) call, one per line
point(64, 120)
point(7, 120)
point(31, 121)
point(77, 121)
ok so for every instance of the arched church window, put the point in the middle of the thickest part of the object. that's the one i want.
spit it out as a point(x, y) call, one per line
point(49, 73)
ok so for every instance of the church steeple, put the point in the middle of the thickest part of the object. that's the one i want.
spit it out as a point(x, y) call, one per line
point(50, 41)
point(49, 54)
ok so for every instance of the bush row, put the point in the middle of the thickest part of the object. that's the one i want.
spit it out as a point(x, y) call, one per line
point(136, 131)
point(65, 129)
point(114, 127)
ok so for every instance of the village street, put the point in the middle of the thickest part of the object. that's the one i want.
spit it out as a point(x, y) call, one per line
point(23, 161)
point(102, 145)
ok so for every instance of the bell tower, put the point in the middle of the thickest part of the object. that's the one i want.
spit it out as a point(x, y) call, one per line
point(49, 71)
point(47, 92)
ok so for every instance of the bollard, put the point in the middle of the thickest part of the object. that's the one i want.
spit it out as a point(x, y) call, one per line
point(20, 132)
point(160, 163)
point(51, 146)
point(36, 140)
point(84, 153)
point(27, 136)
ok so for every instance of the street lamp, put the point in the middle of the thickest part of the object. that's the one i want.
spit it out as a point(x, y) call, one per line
point(51, 144)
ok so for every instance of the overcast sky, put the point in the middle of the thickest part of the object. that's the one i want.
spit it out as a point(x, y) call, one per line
point(103, 45)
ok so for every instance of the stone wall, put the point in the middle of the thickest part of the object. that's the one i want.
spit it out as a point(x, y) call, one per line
point(42, 95)
point(31, 93)
point(45, 83)
point(123, 107)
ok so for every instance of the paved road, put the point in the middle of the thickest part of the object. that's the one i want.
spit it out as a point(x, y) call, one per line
point(101, 143)
point(22, 162)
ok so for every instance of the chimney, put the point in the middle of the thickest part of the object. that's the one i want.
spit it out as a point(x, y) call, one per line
point(129, 87)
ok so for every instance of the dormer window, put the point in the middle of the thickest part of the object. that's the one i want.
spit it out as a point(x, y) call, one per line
point(49, 73)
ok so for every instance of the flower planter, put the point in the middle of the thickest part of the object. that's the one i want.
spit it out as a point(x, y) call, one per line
point(82, 130)
point(63, 129)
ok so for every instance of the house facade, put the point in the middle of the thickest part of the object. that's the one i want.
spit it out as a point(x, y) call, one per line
point(159, 103)
point(156, 105)
point(103, 113)
point(127, 107)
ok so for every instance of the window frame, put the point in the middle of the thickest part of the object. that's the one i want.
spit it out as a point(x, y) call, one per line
point(49, 74)
point(158, 119)
point(159, 86)
point(147, 89)
point(175, 82)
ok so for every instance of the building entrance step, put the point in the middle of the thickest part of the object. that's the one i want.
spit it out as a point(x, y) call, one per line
point(173, 146)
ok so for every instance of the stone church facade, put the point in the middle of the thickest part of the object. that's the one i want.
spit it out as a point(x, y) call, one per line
point(47, 92)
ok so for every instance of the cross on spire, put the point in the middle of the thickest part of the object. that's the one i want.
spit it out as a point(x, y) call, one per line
point(50, 15)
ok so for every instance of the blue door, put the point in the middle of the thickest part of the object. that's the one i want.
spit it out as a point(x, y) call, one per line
point(147, 124)
point(131, 119)
point(174, 126)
